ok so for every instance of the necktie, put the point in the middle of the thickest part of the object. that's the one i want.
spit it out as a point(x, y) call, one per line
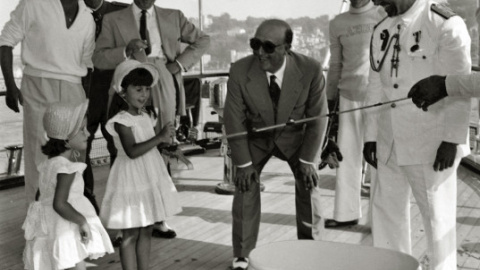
point(143, 30)
point(274, 90)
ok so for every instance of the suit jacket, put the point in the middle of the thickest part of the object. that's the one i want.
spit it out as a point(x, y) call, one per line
point(120, 27)
point(248, 105)
point(444, 48)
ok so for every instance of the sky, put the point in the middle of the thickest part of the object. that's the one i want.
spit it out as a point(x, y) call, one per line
point(238, 9)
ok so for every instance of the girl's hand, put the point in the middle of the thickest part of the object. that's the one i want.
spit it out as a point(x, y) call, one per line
point(167, 132)
point(85, 233)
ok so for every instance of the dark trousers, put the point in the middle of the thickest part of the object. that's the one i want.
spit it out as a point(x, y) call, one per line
point(246, 210)
point(97, 93)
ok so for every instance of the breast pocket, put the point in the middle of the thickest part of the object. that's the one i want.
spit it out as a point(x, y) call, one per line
point(423, 59)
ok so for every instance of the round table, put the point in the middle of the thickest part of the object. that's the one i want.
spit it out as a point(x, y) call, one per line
point(309, 254)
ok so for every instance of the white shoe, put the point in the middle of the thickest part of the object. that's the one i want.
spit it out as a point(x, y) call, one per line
point(238, 264)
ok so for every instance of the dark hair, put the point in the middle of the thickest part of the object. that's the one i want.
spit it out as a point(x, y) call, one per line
point(137, 77)
point(54, 147)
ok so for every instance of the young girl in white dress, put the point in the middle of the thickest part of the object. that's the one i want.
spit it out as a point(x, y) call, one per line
point(139, 190)
point(62, 228)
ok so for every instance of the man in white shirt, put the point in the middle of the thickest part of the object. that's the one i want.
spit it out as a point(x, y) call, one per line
point(58, 39)
point(416, 153)
point(347, 80)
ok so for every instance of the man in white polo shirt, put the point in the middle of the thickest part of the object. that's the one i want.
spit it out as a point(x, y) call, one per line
point(58, 39)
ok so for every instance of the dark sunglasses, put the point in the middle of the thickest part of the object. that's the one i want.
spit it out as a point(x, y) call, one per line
point(268, 46)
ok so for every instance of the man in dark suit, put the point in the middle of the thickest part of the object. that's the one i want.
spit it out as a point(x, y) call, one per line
point(255, 100)
point(159, 42)
point(96, 86)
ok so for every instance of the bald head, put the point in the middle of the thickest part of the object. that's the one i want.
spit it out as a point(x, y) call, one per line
point(277, 27)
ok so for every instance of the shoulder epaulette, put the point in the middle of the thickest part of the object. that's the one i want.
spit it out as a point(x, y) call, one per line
point(443, 10)
point(375, 27)
point(120, 4)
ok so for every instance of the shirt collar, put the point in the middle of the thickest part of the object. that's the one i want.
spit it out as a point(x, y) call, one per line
point(279, 74)
point(412, 12)
point(137, 10)
point(367, 7)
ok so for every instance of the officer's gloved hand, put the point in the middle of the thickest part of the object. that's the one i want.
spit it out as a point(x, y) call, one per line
point(445, 156)
point(428, 91)
point(370, 153)
point(331, 155)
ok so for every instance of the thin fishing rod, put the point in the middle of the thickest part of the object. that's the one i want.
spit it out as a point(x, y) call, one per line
point(309, 119)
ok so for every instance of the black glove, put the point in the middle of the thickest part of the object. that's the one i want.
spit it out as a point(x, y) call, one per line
point(445, 156)
point(330, 156)
point(370, 153)
point(428, 91)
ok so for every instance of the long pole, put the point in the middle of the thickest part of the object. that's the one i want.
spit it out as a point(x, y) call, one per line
point(309, 119)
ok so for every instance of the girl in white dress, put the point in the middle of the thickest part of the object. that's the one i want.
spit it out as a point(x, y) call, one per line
point(139, 190)
point(62, 228)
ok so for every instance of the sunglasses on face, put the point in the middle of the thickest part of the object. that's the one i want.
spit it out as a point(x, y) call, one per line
point(267, 46)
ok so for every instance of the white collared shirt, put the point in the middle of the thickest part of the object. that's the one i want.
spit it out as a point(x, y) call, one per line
point(153, 30)
point(278, 74)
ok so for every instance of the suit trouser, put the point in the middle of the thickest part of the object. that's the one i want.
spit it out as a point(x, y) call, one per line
point(246, 211)
point(349, 175)
point(97, 117)
point(435, 194)
point(37, 94)
point(164, 94)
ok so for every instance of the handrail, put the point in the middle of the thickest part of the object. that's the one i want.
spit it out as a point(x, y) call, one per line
point(226, 74)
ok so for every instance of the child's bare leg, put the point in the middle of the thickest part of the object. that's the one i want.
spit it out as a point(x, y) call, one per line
point(128, 247)
point(143, 247)
point(79, 266)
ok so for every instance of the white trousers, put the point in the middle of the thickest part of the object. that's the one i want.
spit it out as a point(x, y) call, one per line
point(349, 174)
point(37, 94)
point(435, 194)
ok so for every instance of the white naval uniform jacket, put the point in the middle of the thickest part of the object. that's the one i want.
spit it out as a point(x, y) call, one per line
point(444, 48)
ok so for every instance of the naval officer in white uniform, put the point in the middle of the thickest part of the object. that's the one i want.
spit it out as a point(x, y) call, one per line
point(416, 151)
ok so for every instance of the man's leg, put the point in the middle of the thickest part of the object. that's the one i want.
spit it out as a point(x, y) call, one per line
point(436, 196)
point(391, 208)
point(307, 205)
point(38, 93)
point(246, 210)
point(348, 206)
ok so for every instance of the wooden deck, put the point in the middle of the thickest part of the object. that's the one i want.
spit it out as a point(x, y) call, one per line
point(204, 226)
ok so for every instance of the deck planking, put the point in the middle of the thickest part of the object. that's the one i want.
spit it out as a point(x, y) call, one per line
point(204, 226)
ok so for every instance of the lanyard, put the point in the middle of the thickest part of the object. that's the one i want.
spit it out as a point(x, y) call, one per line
point(396, 51)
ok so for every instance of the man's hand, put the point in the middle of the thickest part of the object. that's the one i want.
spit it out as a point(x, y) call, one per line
point(331, 155)
point(173, 67)
point(445, 156)
point(428, 91)
point(307, 174)
point(370, 153)
point(244, 178)
point(135, 45)
point(13, 97)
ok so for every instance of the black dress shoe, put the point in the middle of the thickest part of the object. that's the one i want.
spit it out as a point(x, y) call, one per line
point(117, 242)
point(332, 223)
point(161, 234)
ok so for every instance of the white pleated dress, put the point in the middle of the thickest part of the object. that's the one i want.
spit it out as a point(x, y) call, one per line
point(52, 241)
point(139, 191)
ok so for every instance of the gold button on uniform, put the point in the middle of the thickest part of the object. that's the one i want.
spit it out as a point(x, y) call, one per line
point(395, 86)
